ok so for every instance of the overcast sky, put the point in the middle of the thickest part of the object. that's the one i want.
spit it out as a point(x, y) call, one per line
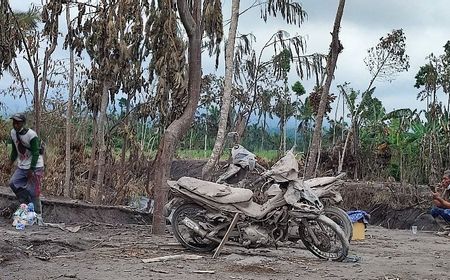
point(426, 25)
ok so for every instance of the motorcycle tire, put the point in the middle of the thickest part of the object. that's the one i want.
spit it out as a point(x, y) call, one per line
point(186, 236)
point(341, 218)
point(324, 249)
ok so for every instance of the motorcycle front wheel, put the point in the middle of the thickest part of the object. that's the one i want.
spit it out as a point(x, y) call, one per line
point(341, 218)
point(324, 238)
point(187, 237)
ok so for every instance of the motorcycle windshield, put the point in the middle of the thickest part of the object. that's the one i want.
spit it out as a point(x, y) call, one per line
point(285, 169)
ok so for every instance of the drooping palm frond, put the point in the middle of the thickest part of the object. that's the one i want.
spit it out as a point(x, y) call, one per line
point(291, 11)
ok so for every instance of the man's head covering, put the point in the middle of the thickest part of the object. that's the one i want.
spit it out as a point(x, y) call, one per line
point(447, 173)
point(19, 117)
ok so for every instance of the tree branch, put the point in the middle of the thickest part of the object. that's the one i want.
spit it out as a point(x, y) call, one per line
point(186, 18)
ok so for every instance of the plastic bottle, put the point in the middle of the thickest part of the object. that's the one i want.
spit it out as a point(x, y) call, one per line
point(20, 226)
point(30, 207)
point(31, 218)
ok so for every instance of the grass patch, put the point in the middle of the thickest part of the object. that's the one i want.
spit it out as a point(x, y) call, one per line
point(268, 155)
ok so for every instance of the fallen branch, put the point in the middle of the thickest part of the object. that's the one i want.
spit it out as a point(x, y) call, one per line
point(204, 271)
point(172, 258)
point(158, 271)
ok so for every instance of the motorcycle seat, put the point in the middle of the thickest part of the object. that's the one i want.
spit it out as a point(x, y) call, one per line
point(321, 181)
point(215, 192)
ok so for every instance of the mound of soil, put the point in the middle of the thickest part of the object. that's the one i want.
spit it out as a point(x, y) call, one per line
point(189, 168)
point(391, 205)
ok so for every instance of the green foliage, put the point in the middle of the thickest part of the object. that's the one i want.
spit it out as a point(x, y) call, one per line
point(298, 89)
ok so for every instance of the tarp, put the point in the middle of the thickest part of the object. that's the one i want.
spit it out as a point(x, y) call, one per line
point(359, 216)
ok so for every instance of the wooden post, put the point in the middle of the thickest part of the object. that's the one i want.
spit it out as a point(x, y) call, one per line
point(227, 234)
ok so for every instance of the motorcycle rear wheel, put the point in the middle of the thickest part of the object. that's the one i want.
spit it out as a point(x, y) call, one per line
point(333, 244)
point(187, 237)
point(341, 218)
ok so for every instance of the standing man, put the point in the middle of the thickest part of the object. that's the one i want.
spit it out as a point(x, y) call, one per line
point(441, 201)
point(26, 149)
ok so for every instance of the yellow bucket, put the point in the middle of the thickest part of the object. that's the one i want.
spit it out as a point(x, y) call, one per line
point(359, 231)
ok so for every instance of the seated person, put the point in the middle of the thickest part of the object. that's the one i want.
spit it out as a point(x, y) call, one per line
point(441, 201)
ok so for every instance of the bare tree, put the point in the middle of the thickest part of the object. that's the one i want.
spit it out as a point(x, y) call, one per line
point(226, 98)
point(335, 49)
point(67, 183)
point(195, 23)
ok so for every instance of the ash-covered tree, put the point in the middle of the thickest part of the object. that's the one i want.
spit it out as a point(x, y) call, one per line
point(179, 80)
point(111, 33)
point(335, 48)
point(292, 13)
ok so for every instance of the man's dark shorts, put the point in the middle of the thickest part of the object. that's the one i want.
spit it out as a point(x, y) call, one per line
point(19, 180)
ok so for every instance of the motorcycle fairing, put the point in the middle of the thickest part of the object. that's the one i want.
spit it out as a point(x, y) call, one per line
point(298, 193)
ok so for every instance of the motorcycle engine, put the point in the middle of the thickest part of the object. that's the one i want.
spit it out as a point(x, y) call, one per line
point(255, 235)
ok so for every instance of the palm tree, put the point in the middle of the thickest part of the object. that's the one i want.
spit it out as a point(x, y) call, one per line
point(15, 26)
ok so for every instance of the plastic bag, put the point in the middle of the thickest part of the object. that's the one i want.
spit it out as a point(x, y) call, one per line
point(24, 216)
point(241, 156)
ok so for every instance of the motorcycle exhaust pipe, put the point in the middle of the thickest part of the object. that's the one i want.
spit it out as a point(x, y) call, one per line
point(194, 226)
point(197, 229)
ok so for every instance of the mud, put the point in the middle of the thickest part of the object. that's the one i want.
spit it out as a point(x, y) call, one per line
point(115, 251)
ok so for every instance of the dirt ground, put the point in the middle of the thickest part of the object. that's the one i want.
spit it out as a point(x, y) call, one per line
point(112, 241)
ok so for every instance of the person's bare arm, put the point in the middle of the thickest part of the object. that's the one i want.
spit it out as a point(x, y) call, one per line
point(443, 203)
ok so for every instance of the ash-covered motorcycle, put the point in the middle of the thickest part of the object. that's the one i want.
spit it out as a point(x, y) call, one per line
point(206, 213)
point(243, 161)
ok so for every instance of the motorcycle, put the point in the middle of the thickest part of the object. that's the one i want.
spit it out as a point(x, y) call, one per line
point(207, 213)
point(244, 161)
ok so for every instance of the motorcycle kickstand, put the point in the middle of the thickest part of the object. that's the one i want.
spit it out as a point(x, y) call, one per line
point(225, 237)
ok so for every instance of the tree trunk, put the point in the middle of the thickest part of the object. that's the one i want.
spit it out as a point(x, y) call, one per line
point(335, 49)
point(48, 52)
point(241, 122)
point(263, 130)
point(205, 144)
point(93, 155)
point(177, 129)
point(101, 139)
point(121, 180)
point(282, 147)
point(36, 104)
point(341, 159)
point(67, 185)
point(226, 99)
point(22, 82)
